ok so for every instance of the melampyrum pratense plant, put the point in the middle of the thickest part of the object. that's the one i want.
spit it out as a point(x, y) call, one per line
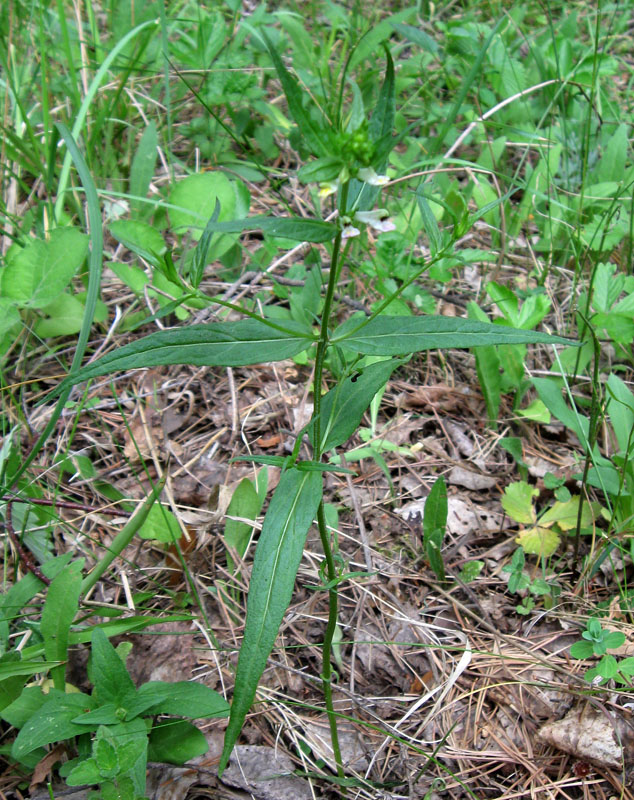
point(349, 161)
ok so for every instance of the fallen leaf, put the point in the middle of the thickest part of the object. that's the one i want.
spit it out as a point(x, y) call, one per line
point(266, 773)
point(600, 737)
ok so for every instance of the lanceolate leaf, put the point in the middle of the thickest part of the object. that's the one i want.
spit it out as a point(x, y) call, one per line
point(393, 336)
point(345, 404)
point(220, 344)
point(279, 551)
point(302, 230)
point(294, 97)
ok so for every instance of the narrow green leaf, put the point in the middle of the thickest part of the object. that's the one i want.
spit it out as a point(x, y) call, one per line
point(142, 168)
point(219, 344)
point(279, 551)
point(345, 404)
point(301, 230)
point(416, 36)
point(434, 526)
point(246, 504)
point(429, 223)
point(392, 336)
point(320, 170)
point(382, 120)
point(60, 608)
point(110, 676)
point(295, 95)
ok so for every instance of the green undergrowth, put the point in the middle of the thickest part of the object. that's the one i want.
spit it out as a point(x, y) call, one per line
point(364, 167)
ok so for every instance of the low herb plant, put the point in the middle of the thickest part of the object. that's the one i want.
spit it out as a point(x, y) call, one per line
point(349, 149)
point(595, 642)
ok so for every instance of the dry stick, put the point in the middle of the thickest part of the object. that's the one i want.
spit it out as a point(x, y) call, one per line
point(40, 501)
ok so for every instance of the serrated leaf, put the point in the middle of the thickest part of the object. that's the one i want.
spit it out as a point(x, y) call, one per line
point(539, 541)
point(220, 344)
point(391, 336)
point(277, 557)
point(517, 501)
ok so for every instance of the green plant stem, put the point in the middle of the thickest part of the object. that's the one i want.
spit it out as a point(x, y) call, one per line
point(331, 627)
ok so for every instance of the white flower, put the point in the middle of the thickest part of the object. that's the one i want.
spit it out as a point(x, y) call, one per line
point(368, 175)
point(378, 220)
point(349, 231)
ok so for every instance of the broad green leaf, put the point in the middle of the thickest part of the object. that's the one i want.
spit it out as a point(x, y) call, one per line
point(582, 649)
point(246, 504)
point(60, 608)
point(566, 514)
point(139, 237)
point(219, 344)
point(321, 170)
point(110, 676)
point(9, 315)
point(53, 722)
point(187, 699)
point(539, 541)
point(345, 404)
point(37, 273)
point(536, 411)
point(517, 501)
point(175, 742)
point(23, 707)
point(103, 715)
point(85, 773)
point(142, 168)
point(63, 317)
point(277, 556)
point(434, 526)
point(392, 336)
point(193, 201)
point(160, 524)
